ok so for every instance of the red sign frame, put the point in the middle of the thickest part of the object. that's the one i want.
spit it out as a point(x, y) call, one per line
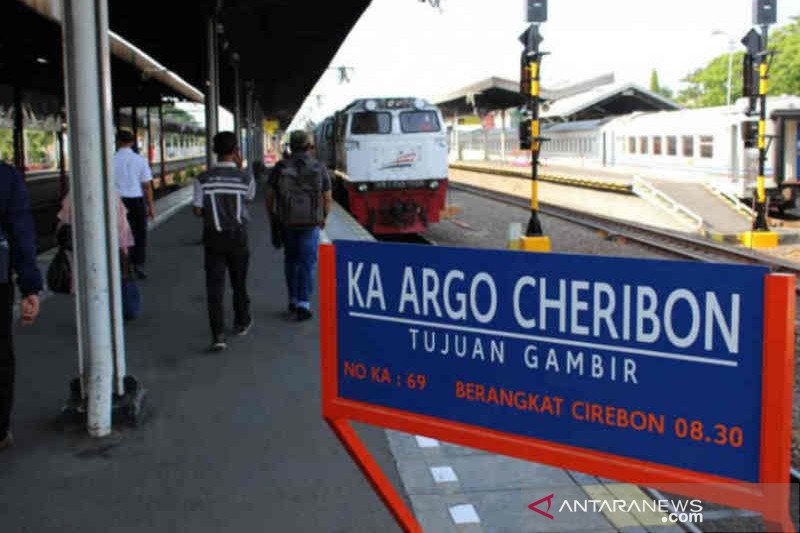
point(770, 496)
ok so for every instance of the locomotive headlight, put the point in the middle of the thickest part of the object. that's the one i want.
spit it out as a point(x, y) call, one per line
point(371, 105)
point(419, 103)
point(434, 185)
point(362, 187)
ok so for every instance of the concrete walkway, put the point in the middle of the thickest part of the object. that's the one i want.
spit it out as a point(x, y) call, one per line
point(235, 441)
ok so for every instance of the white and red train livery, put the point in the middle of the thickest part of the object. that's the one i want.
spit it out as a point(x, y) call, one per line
point(390, 161)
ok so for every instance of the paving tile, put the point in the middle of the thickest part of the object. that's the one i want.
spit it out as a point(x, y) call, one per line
point(433, 513)
point(494, 472)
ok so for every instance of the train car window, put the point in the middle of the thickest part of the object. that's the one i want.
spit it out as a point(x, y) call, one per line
point(41, 123)
point(643, 149)
point(419, 121)
point(672, 145)
point(6, 124)
point(657, 145)
point(631, 145)
point(366, 123)
point(688, 145)
point(706, 146)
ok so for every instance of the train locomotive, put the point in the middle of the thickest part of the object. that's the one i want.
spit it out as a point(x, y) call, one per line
point(389, 161)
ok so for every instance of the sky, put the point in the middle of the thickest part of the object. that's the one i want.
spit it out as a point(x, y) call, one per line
point(408, 48)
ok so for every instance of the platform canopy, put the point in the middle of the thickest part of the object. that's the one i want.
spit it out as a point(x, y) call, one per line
point(284, 45)
point(588, 99)
point(479, 98)
point(159, 47)
point(604, 101)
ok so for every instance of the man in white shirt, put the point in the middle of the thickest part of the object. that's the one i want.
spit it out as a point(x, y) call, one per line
point(134, 183)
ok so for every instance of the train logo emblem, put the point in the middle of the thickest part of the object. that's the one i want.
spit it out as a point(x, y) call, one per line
point(404, 160)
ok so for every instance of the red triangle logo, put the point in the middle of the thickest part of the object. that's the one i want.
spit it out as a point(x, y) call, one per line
point(534, 506)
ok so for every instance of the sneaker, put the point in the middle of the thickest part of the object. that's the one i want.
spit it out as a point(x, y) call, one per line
point(242, 330)
point(219, 344)
point(139, 272)
point(303, 314)
point(7, 442)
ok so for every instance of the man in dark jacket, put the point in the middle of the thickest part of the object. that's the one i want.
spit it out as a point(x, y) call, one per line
point(220, 195)
point(17, 253)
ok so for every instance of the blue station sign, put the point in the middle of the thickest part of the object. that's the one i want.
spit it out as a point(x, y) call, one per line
point(659, 361)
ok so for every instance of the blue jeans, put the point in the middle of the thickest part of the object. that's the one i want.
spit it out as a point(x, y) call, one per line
point(300, 260)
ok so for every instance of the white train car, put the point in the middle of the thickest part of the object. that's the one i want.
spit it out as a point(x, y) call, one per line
point(703, 144)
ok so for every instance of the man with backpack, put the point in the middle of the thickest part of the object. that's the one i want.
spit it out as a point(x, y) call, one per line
point(220, 195)
point(299, 195)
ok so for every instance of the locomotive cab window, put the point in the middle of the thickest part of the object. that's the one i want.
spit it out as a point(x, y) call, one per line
point(419, 122)
point(706, 146)
point(366, 123)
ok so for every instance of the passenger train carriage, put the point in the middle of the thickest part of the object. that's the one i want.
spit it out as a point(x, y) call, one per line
point(390, 161)
point(693, 144)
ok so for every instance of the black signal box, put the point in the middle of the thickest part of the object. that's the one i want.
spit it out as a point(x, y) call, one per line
point(537, 10)
point(749, 131)
point(764, 11)
point(525, 134)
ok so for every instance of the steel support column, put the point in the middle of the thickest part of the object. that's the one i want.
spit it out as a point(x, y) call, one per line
point(19, 131)
point(162, 144)
point(96, 270)
point(249, 121)
point(237, 99)
point(212, 89)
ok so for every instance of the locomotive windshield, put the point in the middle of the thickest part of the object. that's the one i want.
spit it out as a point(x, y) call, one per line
point(371, 123)
point(419, 121)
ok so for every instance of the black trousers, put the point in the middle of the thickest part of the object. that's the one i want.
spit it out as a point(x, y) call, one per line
point(6, 356)
point(137, 218)
point(226, 250)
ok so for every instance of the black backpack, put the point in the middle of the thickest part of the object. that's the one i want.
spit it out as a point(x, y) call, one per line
point(299, 187)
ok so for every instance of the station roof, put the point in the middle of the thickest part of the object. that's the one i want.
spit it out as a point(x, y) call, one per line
point(486, 95)
point(606, 100)
point(283, 47)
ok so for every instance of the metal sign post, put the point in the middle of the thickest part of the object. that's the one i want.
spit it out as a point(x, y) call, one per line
point(567, 360)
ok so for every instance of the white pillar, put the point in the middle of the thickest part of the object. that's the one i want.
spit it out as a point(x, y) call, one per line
point(502, 135)
point(88, 92)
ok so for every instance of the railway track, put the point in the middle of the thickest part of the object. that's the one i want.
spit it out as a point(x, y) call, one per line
point(665, 241)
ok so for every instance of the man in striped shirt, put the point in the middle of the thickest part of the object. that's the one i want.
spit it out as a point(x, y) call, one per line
point(220, 197)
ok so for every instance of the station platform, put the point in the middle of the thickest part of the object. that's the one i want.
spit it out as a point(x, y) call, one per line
point(671, 203)
point(234, 441)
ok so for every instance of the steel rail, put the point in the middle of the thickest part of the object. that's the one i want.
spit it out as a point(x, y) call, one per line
point(671, 242)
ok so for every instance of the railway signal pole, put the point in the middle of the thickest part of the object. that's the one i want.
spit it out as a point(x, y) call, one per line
point(764, 14)
point(534, 239)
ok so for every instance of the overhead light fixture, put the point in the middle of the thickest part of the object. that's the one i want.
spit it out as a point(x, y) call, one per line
point(42, 60)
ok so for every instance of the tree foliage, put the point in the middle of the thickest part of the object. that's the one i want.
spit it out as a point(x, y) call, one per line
point(656, 86)
point(707, 86)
